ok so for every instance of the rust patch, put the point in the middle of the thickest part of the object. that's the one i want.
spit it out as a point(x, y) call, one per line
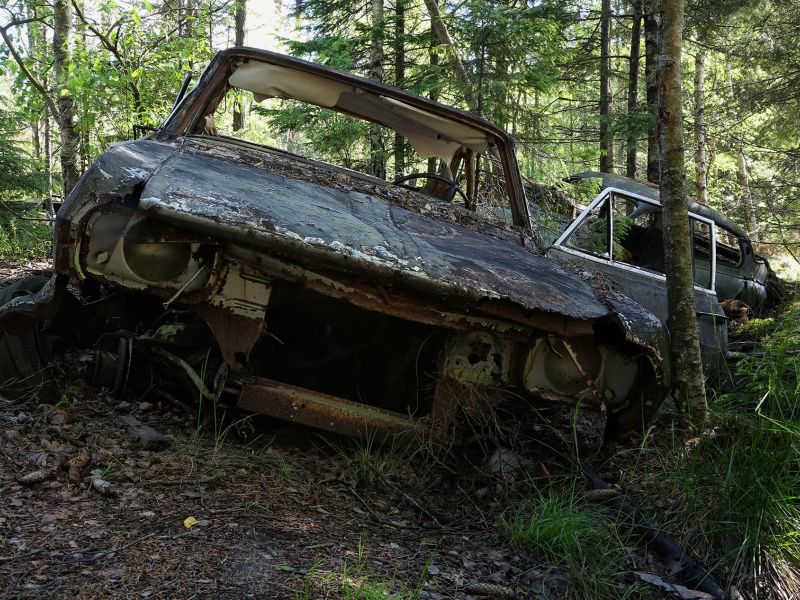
point(236, 335)
point(323, 411)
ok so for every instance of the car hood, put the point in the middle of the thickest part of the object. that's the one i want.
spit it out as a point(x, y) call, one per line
point(204, 186)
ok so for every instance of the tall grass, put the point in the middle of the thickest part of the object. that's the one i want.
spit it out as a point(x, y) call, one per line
point(740, 505)
point(577, 538)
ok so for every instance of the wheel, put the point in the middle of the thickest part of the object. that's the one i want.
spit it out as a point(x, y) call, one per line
point(24, 371)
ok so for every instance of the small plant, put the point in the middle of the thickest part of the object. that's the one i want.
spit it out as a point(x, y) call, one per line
point(369, 460)
point(575, 536)
point(354, 581)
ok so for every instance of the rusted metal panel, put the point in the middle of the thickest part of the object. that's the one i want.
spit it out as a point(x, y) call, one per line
point(20, 314)
point(315, 409)
point(366, 233)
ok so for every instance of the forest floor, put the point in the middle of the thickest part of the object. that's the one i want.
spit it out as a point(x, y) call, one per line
point(252, 507)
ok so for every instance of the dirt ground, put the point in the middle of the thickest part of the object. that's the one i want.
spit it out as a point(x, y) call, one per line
point(274, 517)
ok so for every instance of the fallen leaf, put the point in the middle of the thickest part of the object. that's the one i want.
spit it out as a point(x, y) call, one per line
point(189, 522)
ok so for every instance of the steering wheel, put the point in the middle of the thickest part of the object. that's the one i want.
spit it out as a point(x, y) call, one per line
point(449, 193)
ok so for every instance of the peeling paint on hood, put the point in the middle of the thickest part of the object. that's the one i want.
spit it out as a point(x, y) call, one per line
point(264, 207)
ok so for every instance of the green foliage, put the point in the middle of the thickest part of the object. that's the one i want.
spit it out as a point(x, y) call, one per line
point(21, 238)
point(733, 492)
point(18, 175)
point(22, 232)
point(328, 135)
point(575, 536)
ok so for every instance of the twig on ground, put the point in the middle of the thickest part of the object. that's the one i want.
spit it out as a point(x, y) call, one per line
point(412, 500)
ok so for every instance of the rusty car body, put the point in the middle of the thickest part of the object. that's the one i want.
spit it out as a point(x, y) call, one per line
point(738, 272)
point(619, 234)
point(255, 276)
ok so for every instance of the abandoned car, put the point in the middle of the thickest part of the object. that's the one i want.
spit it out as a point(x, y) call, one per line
point(620, 235)
point(215, 256)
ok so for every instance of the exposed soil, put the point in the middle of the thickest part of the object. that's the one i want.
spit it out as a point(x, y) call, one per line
point(267, 510)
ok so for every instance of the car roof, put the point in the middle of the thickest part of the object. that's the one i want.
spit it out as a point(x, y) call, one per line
point(357, 81)
point(651, 192)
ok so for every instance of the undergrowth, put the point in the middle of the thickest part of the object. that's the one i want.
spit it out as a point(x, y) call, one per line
point(356, 580)
point(21, 238)
point(578, 539)
point(734, 492)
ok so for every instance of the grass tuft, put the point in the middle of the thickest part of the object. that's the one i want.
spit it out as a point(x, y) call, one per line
point(577, 538)
point(731, 496)
point(744, 481)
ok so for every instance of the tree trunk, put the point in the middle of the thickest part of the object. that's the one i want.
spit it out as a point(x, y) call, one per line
point(62, 25)
point(651, 79)
point(687, 369)
point(82, 132)
point(187, 25)
point(434, 62)
point(34, 31)
point(606, 137)
point(452, 55)
point(745, 197)
point(399, 77)
point(633, 89)
point(700, 160)
point(376, 148)
point(742, 175)
point(240, 15)
point(48, 164)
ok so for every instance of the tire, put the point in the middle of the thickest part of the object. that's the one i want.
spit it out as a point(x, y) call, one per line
point(24, 374)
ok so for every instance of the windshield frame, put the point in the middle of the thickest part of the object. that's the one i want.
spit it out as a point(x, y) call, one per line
point(185, 116)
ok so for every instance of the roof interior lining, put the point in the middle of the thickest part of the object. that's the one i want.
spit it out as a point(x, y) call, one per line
point(429, 134)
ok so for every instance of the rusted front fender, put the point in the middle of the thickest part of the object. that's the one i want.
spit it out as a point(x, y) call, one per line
point(645, 331)
point(22, 313)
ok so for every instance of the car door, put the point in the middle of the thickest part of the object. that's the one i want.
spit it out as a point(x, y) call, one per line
point(620, 235)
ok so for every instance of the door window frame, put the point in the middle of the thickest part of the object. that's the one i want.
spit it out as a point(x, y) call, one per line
point(607, 194)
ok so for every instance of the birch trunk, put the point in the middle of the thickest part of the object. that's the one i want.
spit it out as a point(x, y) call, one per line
point(62, 26)
point(687, 368)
